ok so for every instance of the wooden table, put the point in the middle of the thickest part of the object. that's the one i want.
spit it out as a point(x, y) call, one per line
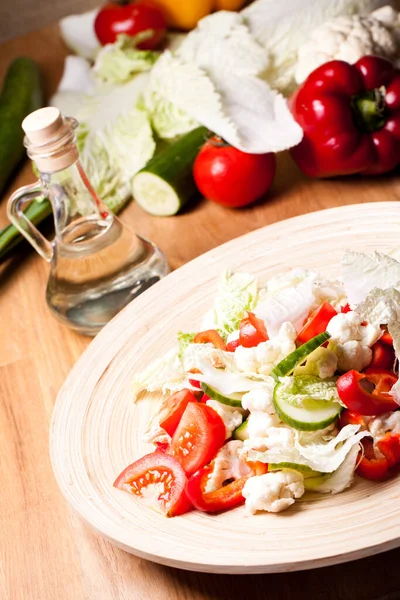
point(46, 551)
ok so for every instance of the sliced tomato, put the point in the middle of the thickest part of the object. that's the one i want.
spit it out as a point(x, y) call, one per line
point(211, 336)
point(252, 331)
point(173, 408)
point(158, 480)
point(231, 346)
point(383, 356)
point(199, 436)
point(316, 323)
point(226, 497)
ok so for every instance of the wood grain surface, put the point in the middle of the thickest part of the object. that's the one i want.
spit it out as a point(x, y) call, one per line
point(46, 552)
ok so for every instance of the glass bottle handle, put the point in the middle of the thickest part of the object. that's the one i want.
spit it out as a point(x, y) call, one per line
point(15, 206)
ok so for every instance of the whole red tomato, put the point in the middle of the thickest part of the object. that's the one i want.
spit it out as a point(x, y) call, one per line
point(230, 177)
point(130, 19)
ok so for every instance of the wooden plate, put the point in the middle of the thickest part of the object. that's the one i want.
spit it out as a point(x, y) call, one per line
point(96, 429)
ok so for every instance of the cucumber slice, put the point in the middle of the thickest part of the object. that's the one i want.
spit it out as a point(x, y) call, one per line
point(288, 364)
point(310, 415)
point(304, 469)
point(232, 400)
point(164, 186)
point(241, 432)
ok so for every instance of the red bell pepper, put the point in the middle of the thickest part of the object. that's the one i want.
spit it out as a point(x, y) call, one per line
point(367, 393)
point(389, 445)
point(369, 466)
point(231, 346)
point(210, 337)
point(252, 331)
point(386, 338)
point(350, 117)
point(350, 418)
point(383, 356)
point(226, 497)
point(317, 322)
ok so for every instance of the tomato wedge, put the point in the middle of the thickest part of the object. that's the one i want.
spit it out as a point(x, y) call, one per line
point(159, 480)
point(231, 346)
point(252, 331)
point(211, 336)
point(367, 393)
point(173, 409)
point(317, 322)
point(200, 434)
point(383, 356)
point(226, 497)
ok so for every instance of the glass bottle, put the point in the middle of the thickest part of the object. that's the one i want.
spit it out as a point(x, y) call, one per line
point(97, 264)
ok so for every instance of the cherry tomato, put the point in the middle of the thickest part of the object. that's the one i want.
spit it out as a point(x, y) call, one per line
point(200, 434)
point(383, 356)
point(252, 331)
point(367, 393)
point(210, 336)
point(317, 322)
point(161, 478)
point(230, 177)
point(173, 408)
point(131, 19)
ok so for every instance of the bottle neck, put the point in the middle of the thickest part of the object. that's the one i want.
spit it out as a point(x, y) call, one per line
point(74, 202)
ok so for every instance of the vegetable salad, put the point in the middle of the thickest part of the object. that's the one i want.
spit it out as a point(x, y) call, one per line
point(287, 387)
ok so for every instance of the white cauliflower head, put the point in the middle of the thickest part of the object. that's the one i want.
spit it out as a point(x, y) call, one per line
point(273, 492)
point(227, 465)
point(346, 327)
point(231, 416)
point(353, 355)
point(349, 38)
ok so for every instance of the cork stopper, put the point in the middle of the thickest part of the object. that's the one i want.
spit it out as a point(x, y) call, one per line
point(49, 140)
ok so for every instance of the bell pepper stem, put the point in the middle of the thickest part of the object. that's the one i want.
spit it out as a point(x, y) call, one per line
point(370, 110)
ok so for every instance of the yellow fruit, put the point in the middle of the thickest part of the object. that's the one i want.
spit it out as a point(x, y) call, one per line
point(184, 14)
point(229, 4)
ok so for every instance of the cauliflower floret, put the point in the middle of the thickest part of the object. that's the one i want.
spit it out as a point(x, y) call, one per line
point(264, 357)
point(227, 465)
point(273, 492)
point(275, 437)
point(260, 399)
point(259, 423)
point(231, 416)
point(388, 422)
point(346, 327)
point(349, 38)
point(353, 355)
point(321, 363)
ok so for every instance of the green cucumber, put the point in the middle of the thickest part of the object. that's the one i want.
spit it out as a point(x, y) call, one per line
point(241, 432)
point(231, 400)
point(21, 94)
point(166, 183)
point(298, 356)
point(304, 469)
point(310, 415)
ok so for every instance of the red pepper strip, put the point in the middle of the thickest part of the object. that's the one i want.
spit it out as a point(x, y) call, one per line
point(371, 467)
point(389, 445)
point(386, 338)
point(231, 346)
point(349, 418)
point(317, 322)
point(366, 393)
point(226, 497)
point(346, 308)
point(383, 356)
point(210, 336)
point(252, 331)
point(350, 117)
point(258, 468)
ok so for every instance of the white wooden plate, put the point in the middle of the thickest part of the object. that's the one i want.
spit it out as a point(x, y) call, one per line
point(96, 429)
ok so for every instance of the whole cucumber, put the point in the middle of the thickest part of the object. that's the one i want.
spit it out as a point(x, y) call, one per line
point(21, 94)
